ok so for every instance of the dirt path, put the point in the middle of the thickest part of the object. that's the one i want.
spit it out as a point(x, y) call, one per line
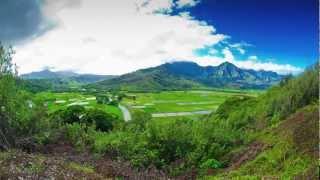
point(171, 114)
point(126, 113)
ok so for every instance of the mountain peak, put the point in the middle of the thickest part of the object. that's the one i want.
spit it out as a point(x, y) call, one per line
point(227, 64)
point(182, 63)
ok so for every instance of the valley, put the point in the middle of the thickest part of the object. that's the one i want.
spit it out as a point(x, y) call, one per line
point(181, 103)
point(195, 103)
point(174, 121)
point(159, 90)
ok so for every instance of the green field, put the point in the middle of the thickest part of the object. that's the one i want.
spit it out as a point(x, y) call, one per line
point(181, 101)
point(57, 101)
point(153, 103)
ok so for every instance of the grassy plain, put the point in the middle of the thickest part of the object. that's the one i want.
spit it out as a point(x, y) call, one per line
point(181, 101)
point(58, 101)
point(153, 102)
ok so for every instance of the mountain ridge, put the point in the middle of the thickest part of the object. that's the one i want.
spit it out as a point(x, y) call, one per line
point(189, 75)
point(59, 80)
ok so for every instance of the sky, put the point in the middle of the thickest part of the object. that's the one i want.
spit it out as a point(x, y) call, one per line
point(117, 37)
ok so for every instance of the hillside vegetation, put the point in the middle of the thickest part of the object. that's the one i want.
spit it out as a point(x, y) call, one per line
point(273, 135)
point(59, 81)
point(189, 75)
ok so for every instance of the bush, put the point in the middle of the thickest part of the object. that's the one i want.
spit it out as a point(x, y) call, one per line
point(72, 114)
point(102, 120)
point(79, 134)
point(139, 121)
point(211, 163)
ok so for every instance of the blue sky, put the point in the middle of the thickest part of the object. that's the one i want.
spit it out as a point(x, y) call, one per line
point(116, 37)
point(286, 30)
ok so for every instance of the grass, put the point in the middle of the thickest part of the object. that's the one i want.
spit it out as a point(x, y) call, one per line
point(4, 155)
point(81, 168)
point(282, 159)
point(68, 98)
point(166, 101)
point(182, 101)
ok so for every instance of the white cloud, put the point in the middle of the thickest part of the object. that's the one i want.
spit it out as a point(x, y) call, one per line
point(249, 64)
point(269, 66)
point(253, 58)
point(240, 47)
point(213, 52)
point(228, 54)
point(116, 37)
point(187, 3)
point(155, 6)
point(113, 37)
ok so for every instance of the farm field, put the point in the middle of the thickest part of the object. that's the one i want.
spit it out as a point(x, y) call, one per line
point(161, 105)
point(58, 101)
point(180, 103)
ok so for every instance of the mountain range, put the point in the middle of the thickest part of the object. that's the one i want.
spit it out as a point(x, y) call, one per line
point(81, 78)
point(189, 75)
point(58, 80)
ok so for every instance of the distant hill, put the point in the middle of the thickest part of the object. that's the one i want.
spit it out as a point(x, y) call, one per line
point(48, 74)
point(59, 80)
point(189, 75)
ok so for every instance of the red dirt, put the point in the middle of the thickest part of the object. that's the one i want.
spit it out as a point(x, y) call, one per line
point(246, 155)
point(303, 128)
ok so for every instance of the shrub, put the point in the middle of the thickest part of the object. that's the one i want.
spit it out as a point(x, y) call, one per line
point(102, 120)
point(79, 134)
point(211, 163)
point(72, 114)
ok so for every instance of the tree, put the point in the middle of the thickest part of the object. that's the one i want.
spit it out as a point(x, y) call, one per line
point(8, 92)
point(73, 114)
point(6, 65)
point(102, 120)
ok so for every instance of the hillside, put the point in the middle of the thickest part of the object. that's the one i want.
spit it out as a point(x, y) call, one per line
point(59, 80)
point(274, 135)
point(189, 75)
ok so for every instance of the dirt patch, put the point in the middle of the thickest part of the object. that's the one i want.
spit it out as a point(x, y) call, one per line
point(57, 157)
point(303, 128)
point(113, 168)
point(21, 165)
point(246, 155)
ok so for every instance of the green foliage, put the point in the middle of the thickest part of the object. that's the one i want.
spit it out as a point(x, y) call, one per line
point(187, 75)
point(79, 134)
point(6, 65)
point(211, 163)
point(20, 114)
point(139, 120)
point(102, 120)
point(175, 144)
point(73, 114)
point(203, 143)
point(296, 93)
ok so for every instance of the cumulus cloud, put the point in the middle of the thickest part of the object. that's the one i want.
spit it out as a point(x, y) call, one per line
point(253, 58)
point(19, 20)
point(155, 6)
point(116, 37)
point(228, 54)
point(240, 47)
point(253, 62)
point(187, 3)
point(269, 66)
point(113, 37)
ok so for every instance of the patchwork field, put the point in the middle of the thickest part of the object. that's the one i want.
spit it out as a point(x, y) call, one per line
point(161, 105)
point(181, 103)
point(57, 101)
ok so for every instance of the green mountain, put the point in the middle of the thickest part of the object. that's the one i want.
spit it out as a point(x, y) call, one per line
point(189, 75)
point(59, 80)
point(48, 74)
